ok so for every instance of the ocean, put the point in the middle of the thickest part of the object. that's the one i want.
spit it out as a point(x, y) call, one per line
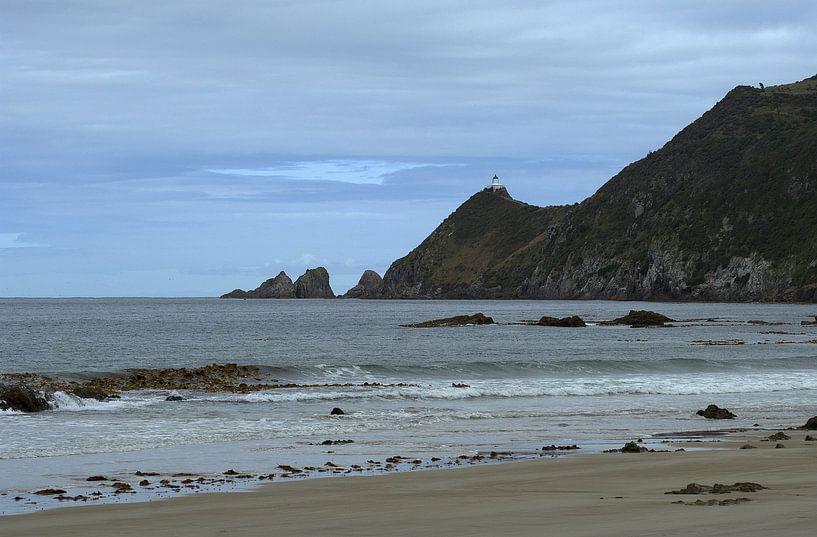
point(526, 386)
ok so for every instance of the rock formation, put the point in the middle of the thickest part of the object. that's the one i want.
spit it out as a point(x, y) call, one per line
point(370, 285)
point(280, 286)
point(22, 398)
point(459, 320)
point(714, 412)
point(574, 321)
point(726, 210)
point(314, 283)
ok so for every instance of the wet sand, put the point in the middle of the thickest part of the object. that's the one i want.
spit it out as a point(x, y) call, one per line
point(583, 495)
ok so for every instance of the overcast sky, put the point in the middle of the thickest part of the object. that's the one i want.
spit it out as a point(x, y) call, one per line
point(185, 148)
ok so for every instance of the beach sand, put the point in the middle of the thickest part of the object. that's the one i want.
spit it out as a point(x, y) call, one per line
point(607, 494)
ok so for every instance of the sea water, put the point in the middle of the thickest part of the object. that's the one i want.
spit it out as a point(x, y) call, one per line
point(527, 386)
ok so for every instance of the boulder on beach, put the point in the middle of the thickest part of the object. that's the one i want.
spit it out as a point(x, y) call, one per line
point(459, 320)
point(574, 321)
point(632, 447)
point(370, 285)
point(811, 424)
point(714, 412)
point(22, 398)
point(641, 319)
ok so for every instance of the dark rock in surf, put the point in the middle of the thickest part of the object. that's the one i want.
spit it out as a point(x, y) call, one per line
point(714, 412)
point(810, 323)
point(459, 320)
point(641, 319)
point(96, 478)
point(337, 412)
point(574, 321)
point(22, 398)
point(174, 398)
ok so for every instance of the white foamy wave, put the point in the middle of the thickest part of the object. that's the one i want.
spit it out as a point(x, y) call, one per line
point(67, 402)
point(581, 387)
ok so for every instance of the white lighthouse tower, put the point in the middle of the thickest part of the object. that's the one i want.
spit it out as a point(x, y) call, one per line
point(496, 185)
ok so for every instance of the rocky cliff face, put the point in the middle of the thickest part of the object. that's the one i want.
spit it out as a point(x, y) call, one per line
point(314, 283)
point(727, 210)
point(370, 285)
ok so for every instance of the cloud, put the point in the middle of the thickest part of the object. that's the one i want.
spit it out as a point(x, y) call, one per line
point(364, 172)
point(12, 240)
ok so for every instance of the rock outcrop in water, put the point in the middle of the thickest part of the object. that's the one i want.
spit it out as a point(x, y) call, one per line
point(640, 319)
point(280, 286)
point(714, 412)
point(22, 398)
point(370, 285)
point(314, 283)
point(574, 321)
point(726, 211)
point(459, 320)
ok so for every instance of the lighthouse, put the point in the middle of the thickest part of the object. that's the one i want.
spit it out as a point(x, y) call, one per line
point(496, 185)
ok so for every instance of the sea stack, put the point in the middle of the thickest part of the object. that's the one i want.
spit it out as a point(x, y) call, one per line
point(314, 283)
point(280, 286)
point(370, 285)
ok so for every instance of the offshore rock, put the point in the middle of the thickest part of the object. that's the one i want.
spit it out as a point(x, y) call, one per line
point(370, 285)
point(459, 320)
point(574, 321)
point(280, 286)
point(22, 398)
point(640, 319)
point(314, 283)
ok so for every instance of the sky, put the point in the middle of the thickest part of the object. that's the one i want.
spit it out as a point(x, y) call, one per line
point(186, 148)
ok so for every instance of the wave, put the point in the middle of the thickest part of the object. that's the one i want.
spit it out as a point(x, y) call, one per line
point(526, 369)
point(67, 402)
point(581, 387)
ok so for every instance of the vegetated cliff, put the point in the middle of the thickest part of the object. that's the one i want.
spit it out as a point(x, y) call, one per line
point(726, 210)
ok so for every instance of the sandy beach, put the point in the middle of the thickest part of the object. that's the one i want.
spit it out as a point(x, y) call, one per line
point(582, 495)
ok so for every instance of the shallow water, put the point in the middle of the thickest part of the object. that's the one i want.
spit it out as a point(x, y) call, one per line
point(528, 386)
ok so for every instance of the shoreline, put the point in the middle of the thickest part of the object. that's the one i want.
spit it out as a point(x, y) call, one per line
point(582, 494)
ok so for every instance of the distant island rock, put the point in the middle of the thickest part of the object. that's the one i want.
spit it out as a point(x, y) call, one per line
point(314, 283)
point(370, 285)
point(280, 286)
point(458, 320)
